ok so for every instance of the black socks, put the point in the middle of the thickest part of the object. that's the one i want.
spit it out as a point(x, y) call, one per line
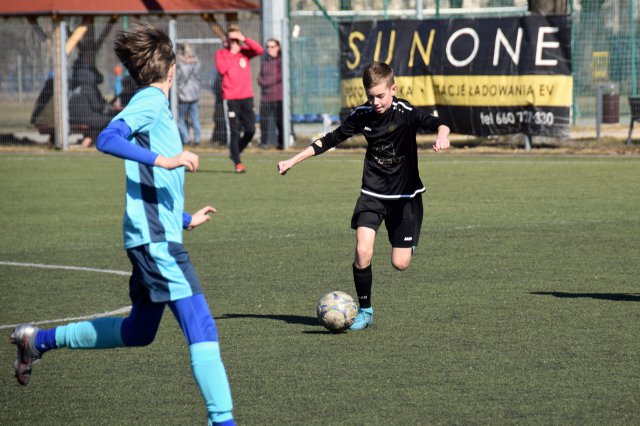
point(363, 278)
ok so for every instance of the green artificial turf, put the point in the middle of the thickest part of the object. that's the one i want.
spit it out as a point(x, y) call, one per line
point(520, 306)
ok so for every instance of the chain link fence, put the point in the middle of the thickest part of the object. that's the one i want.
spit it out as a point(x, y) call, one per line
point(605, 59)
point(605, 54)
point(26, 75)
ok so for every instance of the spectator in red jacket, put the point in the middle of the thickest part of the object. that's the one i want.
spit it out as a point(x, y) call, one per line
point(232, 64)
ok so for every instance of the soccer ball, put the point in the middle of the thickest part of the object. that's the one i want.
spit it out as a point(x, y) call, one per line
point(337, 310)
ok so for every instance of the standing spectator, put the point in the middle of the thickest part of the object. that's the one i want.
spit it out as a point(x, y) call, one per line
point(117, 88)
point(270, 80)
point(188, 82)
point(232, 64)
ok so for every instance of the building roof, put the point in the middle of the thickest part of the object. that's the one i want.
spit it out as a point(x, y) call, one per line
point(122, 7)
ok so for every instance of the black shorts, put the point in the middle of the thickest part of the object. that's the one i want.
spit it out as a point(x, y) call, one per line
point(402, 218)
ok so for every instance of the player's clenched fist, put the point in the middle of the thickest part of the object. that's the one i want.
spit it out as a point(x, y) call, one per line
point(283, 167)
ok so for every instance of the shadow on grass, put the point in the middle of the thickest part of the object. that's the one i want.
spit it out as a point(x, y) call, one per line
point(614, 297)
point(289, 319)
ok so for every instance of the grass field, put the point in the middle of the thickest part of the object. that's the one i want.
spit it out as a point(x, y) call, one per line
point(520, 307)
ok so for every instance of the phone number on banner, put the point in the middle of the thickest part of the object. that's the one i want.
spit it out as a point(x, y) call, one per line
point(500, 118)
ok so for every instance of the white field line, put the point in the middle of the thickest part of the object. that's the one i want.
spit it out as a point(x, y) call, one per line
point(122, 310)
point(69, 268)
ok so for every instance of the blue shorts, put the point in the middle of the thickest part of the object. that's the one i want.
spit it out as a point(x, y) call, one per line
point(162, 272)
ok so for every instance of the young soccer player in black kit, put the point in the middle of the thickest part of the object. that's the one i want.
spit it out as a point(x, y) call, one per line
point(391, 186)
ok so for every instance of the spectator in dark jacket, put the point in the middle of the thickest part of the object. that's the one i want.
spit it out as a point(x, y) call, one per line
point(270, 80)
point(87, 106)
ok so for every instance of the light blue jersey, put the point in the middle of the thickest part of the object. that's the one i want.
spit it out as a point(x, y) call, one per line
point(155, 196)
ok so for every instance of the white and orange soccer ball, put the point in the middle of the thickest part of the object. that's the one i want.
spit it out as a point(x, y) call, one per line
point(337, 310)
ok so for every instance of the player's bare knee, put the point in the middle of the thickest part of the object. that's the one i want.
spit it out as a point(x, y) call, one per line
point(363, 257)
point(401, 264)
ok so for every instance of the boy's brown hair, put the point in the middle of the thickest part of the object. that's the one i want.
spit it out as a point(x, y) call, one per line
point(377, 73)
point(146, 52)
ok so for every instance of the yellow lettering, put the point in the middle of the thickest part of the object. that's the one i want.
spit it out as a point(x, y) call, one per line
point(354, 48)
point(417, 43)
point(392, 42)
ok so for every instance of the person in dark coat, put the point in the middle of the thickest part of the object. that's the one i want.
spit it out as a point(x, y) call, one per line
point(87, 106)
point(270, 80)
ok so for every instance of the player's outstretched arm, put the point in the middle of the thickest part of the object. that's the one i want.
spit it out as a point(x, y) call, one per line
point(185, 158)
point(442, 138)
point(286, 165)
point(201, 216)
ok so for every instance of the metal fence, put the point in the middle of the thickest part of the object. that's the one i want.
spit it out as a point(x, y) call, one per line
point(27, 63)
point(605, 54)
point(605, 58)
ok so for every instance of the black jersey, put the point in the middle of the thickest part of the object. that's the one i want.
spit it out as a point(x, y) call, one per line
point(391, 162)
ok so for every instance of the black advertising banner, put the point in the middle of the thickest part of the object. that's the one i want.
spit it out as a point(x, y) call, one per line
point(483, 76)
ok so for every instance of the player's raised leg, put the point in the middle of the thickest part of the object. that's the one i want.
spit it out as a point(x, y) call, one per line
point(33, 342)
point(404, 227)
point(401, 257)
point(138, 329)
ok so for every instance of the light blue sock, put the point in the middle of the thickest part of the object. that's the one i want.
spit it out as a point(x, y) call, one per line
point(208, 370)
point(100, 333)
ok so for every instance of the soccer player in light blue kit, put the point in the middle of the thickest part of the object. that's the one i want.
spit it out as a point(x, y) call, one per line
point(146, 136)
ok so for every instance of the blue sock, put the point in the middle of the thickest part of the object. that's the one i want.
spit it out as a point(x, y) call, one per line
point(46, 340)
point(208, 370)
